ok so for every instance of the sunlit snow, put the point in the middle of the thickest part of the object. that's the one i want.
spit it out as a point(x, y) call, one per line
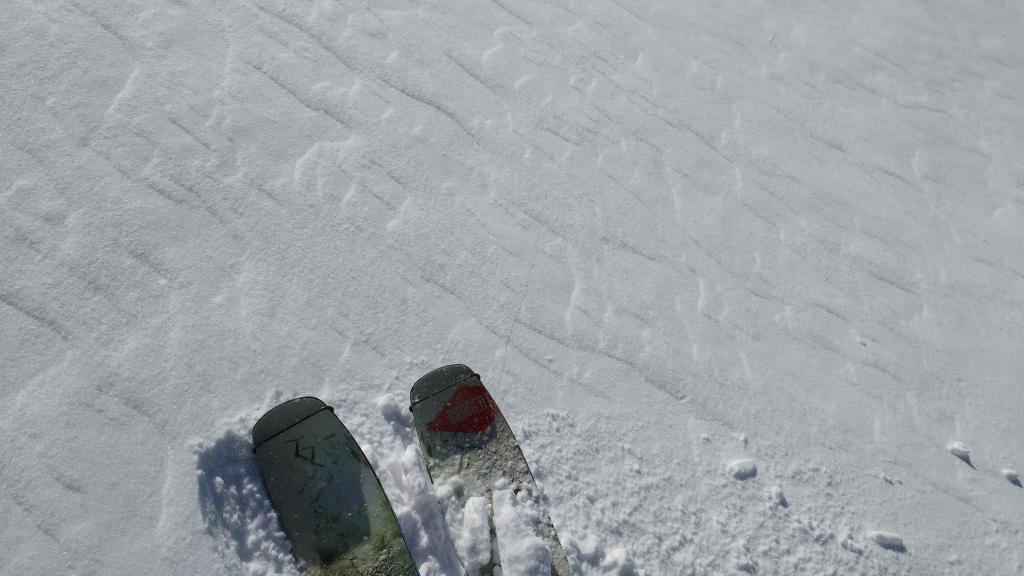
point(685, 244)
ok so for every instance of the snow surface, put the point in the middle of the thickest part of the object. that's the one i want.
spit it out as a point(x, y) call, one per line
point(521, 552)
point(668, 235)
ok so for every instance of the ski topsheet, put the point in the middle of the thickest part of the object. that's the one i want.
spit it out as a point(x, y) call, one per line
point(476, 465)
point(327, 496)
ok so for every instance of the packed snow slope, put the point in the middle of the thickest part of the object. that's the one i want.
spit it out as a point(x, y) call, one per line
point(747, 278)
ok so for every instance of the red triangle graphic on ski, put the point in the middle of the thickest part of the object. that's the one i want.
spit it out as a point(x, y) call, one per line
point(470, 410)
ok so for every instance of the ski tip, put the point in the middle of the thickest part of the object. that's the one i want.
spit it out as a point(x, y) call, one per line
point(284, 416)
point(438, 380)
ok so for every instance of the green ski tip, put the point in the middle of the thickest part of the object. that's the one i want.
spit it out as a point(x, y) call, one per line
point(284, 416)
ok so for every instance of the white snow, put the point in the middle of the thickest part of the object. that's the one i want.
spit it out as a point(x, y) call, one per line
point(521, 552)
point(474, 544)
point(665, 233)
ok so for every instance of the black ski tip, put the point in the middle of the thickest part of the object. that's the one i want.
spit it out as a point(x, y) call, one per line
point(438, 380)
point(284, 416)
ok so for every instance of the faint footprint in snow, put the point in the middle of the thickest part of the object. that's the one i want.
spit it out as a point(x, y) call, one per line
point(742, 469)
point(1012, 477)
point(887, 540)
point(960, 451)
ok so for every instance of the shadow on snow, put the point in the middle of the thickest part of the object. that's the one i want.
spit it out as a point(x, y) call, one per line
point(235, 507)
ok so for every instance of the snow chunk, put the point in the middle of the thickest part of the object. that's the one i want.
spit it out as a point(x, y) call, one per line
point(959, 450)
point(617, 561)
point(393, 411)
point(889, 480)
point(474, 542)
point(777, 498)
point(742, 469)
point(591, 553)
point(522, 553)
point(887, 540)
point(1011, 476)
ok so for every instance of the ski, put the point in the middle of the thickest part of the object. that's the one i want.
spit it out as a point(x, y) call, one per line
point(477, 466)
point(327, 496)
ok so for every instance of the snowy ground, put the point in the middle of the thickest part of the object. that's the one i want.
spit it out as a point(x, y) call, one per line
point(747, 278)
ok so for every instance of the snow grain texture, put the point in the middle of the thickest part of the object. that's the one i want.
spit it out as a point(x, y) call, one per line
point(522, 552)
point(653, 227)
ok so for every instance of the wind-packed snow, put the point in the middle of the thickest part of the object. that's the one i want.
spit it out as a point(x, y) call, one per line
point(681, 241)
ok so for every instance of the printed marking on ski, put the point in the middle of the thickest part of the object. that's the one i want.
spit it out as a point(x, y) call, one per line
point(470, 410)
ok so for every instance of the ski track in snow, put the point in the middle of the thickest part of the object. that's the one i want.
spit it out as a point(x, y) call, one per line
point(683, 243)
